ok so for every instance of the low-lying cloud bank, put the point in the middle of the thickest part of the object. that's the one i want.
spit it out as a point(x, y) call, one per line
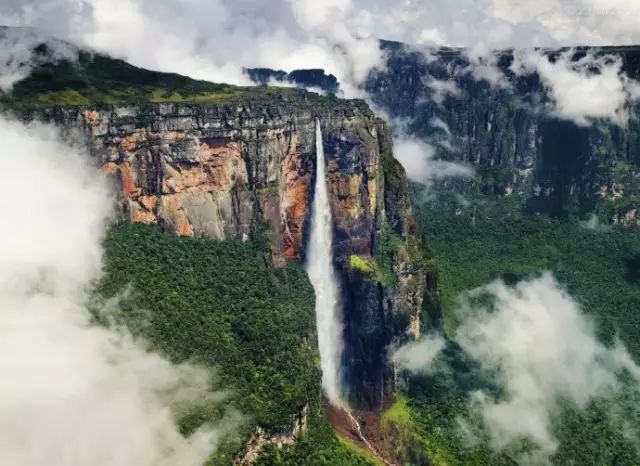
point(73, 393)
point(543, 350)
point(419, 356)
point(578, 86)
point(419, 161)
point(17, 56)
point(581, 90)
point(420, 158)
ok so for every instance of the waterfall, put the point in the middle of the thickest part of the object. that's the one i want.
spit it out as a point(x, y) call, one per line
point(322, 275)
point(319, 265)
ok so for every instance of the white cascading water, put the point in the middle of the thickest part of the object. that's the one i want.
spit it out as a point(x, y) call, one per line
point(323, 278)
point(322, 275)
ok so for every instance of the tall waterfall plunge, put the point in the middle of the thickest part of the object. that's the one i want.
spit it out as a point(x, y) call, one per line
point(323, 277)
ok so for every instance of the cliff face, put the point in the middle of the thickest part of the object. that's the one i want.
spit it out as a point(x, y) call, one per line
point(224, 171)
point(556, 166)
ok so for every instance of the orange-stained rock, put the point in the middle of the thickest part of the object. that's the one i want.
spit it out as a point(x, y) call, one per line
point(372, 189)
point(295, 199)
point(174, 216)
point(148, 202)
point(110, 168)
point(129, 188)
point(140, 215)
point(223, 162)
point(296, 210)
point(219, 166)
point(167, 188)
point(346, 191)
point(130, 143)
point(126, 178)
point(184, 228)
point(92, 116)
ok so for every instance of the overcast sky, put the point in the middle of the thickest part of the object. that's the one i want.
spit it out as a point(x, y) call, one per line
point(214, 39)
point(507, 22)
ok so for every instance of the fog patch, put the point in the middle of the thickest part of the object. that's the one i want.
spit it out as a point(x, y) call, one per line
point(18, 54)
point(484, 67)
point(544, 352)
point(273, 82)
point(441, 89)
point(213, 40)
point(581, 90)
point(74, 393)
point(418, 356)
point(593, 223)
point(419, 161)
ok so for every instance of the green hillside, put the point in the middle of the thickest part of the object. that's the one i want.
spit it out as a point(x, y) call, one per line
point(224, 306)
point(93, 78)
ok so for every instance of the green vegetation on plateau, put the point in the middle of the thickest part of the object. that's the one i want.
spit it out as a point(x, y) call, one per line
point(93, 78)
point(223, 305)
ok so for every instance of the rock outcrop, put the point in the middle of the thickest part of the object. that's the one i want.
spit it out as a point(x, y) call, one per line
point(227, 171)
point(260, 440)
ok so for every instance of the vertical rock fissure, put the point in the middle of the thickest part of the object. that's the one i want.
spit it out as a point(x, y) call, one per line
point(322, 274)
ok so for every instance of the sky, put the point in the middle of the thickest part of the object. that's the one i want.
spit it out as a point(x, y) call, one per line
point(519, 23)
point(215, 39)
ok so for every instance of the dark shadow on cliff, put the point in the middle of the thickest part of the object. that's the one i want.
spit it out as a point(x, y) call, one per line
point(632, 269)
point(566, 163)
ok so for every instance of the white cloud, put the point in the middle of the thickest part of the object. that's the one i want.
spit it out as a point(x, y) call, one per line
point(15, 59)
point(484, 66)
point(582, 90)
point(442, 89)
point(215, 40)
point(418, 356)
point(482, 26)
point(431, 37)
point(212, 40)
point(418, 160)
point(544, 350)
point(576, 22)
point(17, 55)
point(489, 24)
point(73, 393)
